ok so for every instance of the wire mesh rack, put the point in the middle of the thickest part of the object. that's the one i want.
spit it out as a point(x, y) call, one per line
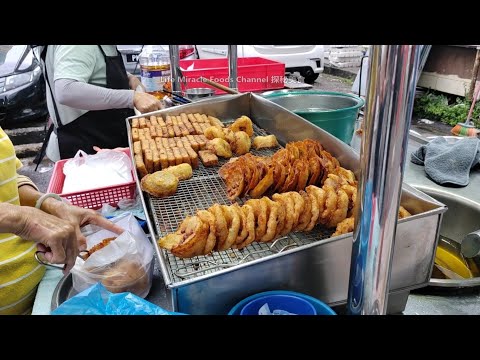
point(203, 190)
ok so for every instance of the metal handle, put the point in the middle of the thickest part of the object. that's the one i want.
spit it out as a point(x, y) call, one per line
point(219, 86)
point(389, 104)
point(41, 261)
point(232, 66)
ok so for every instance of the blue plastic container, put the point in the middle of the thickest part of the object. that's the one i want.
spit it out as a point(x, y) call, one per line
point(292, 304)
point(320, 307)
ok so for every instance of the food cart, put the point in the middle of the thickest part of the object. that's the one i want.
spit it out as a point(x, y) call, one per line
point(315, 263)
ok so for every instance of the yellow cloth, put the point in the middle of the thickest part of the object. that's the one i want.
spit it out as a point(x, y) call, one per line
point(19, 272)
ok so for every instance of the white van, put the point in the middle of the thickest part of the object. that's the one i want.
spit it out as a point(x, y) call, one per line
point(306, 59)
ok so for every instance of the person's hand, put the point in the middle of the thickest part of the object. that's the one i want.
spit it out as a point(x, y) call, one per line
point(55, 236)
point(121, 149)
point(145, 102)
point(79, 217)
point(134, 82)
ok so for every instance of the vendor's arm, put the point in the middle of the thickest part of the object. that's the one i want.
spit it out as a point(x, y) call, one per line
point(73, 68)
point(77, 216)
point(134, 82)
point(81, 95)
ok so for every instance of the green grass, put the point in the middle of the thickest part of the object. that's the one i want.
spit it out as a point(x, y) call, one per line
point(449, 110)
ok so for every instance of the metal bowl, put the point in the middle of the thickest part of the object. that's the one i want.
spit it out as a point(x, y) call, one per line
point(199, 93)
point(460, 219)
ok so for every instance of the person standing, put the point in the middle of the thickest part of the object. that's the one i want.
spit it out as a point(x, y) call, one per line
point(89, 95)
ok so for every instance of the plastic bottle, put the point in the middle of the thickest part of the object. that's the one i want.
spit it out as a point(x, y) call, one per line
point(155, 69)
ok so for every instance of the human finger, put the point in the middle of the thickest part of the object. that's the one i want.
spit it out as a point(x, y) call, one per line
point(105, 224)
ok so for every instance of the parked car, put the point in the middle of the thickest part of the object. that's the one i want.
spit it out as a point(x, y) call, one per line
point(131, 55)
point(308, 60)
point(22, 88)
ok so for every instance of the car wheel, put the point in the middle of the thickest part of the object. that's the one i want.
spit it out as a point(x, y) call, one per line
point(310, 77)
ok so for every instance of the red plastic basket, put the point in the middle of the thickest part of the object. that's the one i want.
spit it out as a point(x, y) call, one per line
point(253, 73)
point(94, 198)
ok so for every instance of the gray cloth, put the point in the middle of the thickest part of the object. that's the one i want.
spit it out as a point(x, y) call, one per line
point(447, 163)
point(80, 95)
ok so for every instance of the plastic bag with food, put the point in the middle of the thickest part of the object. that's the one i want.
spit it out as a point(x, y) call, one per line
point(96, 300)
point(122, 263)
point(106, 168)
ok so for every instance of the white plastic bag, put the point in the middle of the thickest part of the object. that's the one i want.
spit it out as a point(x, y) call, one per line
point(106, 168)
point(125, 264)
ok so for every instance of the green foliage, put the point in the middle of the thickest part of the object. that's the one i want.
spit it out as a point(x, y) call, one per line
point(437, 107)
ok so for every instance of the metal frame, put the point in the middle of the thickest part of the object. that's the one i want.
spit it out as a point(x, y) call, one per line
point(318, 268)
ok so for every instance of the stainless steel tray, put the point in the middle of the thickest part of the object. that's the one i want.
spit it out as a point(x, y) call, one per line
point(313, 263)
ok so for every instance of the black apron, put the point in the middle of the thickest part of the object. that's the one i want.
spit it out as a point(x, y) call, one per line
point(102, 128)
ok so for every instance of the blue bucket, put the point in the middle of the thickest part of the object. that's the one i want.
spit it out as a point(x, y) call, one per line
point(292, 304)
point(320, 307)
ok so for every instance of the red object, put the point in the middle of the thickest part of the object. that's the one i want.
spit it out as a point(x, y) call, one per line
point(186, 50)
point(253, 73)
point(94, 198)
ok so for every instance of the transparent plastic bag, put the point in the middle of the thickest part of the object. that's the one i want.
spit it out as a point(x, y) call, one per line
point(124, 265)
point(106, 168)
point(96, 300)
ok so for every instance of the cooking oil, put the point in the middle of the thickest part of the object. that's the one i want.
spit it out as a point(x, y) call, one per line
point(449, 256)
point(155, 70)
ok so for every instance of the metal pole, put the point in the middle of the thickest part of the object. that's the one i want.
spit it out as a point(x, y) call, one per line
point(232, 66)
point(389, 104)
point(174, 68)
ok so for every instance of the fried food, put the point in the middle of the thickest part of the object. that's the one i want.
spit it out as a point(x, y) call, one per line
point(193, 234)
point(220, 148)
point(208, 158)
point(306, 214)
point(213, 132)
point(97, 247)
point(272, 220)
point(330, 204)
point(209, 219)
point(340, 213)
point(140, 165)
point(160, 184)
point(233, 225)
point(263, 185)
point(249, 226)
point(345, 226)
point(241, 143)
point(182, 171)
point(403, 213)
point(229, 135)
point(288, 204)
point(260, 210)
point(243, 123)
point(317, 200)
point(126, 276)
point(215, 122)
point(265, 142)
point(221, 230)
point(298, 206)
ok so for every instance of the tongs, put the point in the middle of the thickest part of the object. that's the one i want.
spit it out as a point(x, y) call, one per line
point(40, 257)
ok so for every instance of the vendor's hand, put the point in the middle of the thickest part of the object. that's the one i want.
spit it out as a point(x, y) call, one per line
point(97, 149)
point(56, 236)
point(145, 102)
point(135, 82)
point(79, 217)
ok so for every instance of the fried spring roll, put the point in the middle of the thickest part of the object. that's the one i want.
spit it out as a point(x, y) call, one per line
point(135, 123)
